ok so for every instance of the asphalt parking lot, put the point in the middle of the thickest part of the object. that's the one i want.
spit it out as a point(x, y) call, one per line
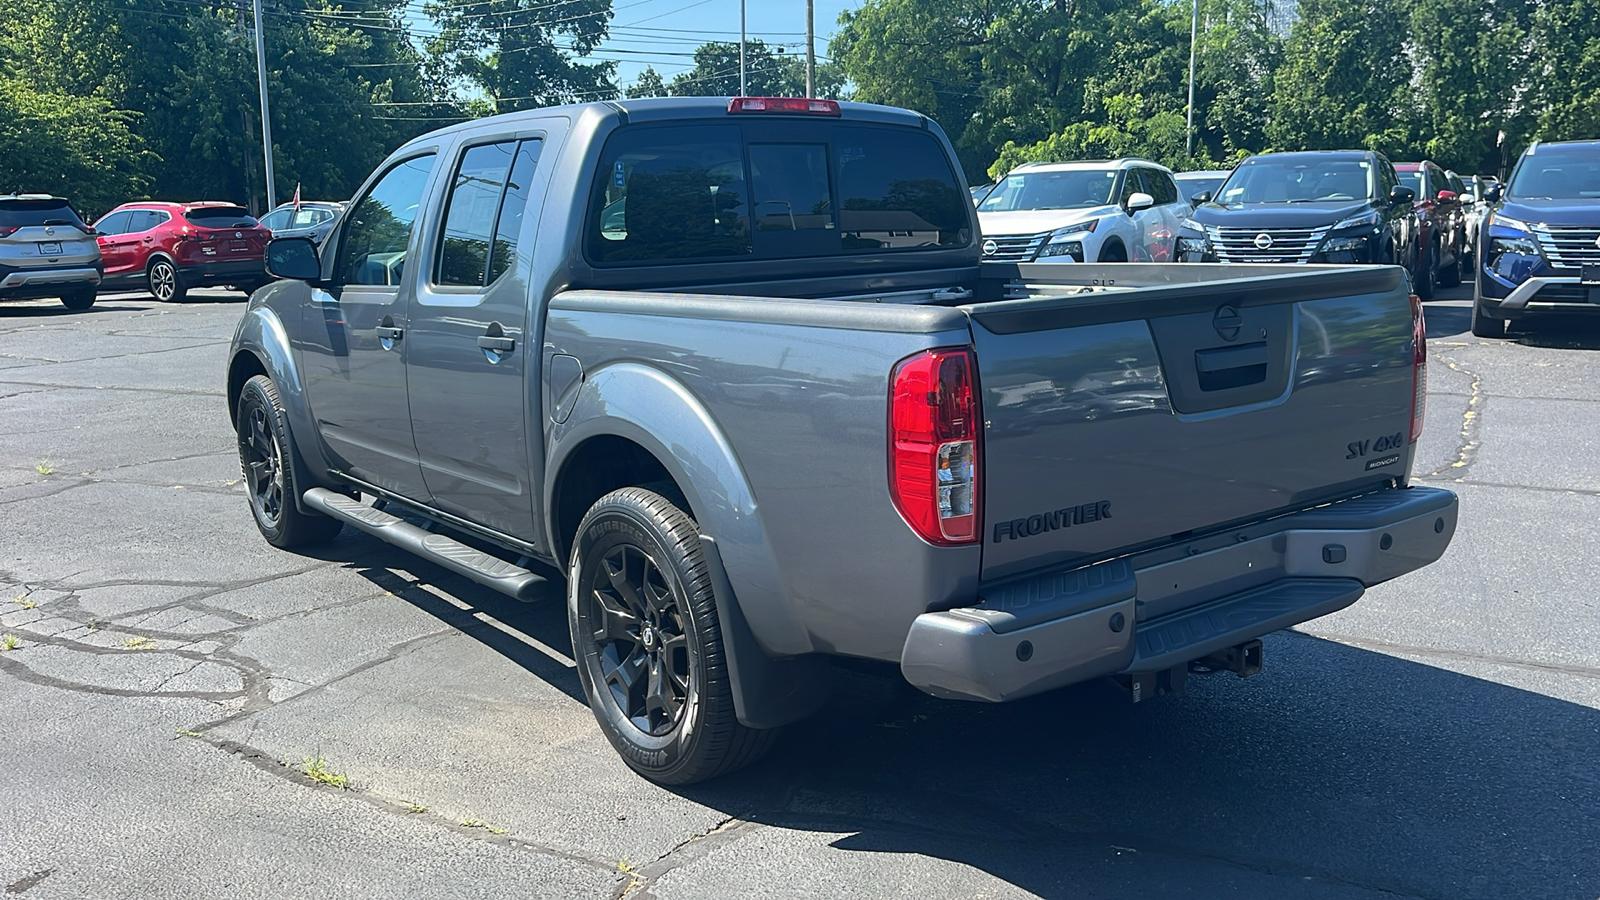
point(172, 676)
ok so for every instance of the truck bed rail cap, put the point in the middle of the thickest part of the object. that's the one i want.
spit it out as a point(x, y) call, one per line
point(810, 313)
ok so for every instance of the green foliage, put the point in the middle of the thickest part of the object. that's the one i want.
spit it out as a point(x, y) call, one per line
point(769, 72)
point(1127, 131)
point(509, 49)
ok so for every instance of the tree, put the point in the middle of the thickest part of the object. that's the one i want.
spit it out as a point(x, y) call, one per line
point(1566, 81)
point(769, 72)
point(509, 49)
point(1346, 79)
point(649, 84)
point(1475, 70)
point(76, 147)
point(1127, 131)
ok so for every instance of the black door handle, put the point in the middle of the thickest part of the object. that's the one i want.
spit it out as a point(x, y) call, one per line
point(497, 344)
point(390, 332)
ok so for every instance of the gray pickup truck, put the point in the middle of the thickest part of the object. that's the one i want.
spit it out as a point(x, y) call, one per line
point(735, 368)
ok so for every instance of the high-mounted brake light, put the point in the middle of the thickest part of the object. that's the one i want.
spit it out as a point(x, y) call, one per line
point(1419, 367)
point(936, 445)
point(802, 105)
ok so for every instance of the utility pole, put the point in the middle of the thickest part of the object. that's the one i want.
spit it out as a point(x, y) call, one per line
point(1194, 32)
point(744, 89)
point(266, 117)
point(811, 51)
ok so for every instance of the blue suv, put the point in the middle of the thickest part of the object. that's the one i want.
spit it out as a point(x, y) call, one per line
point(1539, 247)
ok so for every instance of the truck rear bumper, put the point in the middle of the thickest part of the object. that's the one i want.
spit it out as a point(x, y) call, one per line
point(1150, 612)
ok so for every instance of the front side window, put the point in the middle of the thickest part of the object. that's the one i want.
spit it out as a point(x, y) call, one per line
point(115, 223)
point(277, 220)
point(375, 242)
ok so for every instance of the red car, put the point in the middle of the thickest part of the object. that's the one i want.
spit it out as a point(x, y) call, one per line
point(169, 248)
point(1442, 226)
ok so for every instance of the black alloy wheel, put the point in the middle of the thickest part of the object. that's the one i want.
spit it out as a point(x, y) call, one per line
point(164, 282)
point(266, 461)
point(1451, 276)
point(648, 645)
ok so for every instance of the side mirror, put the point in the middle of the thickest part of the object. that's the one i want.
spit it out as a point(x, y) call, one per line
point(1200, 198)
point(1399, 194)
point(1445, 196)
point(1140, 200)
point(1493, 193)
point(295, 258)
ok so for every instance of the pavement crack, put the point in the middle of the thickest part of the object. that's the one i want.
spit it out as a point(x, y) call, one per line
point(696, 846)
point(1468, 440)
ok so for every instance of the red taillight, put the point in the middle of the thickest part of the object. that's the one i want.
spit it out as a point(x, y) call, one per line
point(784, 105)
point(936, 444)
point(1419, 367)
point(8, 230)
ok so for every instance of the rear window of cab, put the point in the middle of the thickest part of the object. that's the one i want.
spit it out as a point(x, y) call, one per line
point(680, 193)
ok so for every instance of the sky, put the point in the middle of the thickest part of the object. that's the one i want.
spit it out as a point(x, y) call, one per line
point(664, 33)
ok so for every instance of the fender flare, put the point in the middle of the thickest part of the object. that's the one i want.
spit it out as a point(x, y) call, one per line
point(645, 405)
point(262, 335)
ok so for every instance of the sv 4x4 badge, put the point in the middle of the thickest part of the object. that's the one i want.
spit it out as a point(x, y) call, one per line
point(1384, 444)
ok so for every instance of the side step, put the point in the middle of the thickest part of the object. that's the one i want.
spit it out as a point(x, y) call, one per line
point(489, 571)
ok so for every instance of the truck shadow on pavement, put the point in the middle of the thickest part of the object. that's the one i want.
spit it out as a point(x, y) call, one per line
point(1339, 772)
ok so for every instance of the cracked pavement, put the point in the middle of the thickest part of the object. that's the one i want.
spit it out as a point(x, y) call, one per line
point(172, 676)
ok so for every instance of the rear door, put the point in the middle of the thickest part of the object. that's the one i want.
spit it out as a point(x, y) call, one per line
point(1134, 420)
point(468, 342)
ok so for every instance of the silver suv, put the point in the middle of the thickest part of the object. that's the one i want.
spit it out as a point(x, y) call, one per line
point(47, 251)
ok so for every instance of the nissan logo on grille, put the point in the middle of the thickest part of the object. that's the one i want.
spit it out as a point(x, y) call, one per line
point(1263, 241)
point(989, 247)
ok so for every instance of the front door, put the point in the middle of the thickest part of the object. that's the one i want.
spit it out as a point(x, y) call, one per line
point(115, 244)
point(469, 345)
point(356, 338)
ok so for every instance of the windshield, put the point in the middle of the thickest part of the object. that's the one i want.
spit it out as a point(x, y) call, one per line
point(1302, 180)
point(1077, 189)
point(1557, 175)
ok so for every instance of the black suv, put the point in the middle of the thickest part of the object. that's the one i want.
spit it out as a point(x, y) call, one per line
point(1326, 206)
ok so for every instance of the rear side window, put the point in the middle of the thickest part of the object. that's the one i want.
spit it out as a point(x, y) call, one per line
point(1158, 184)
point(484, 212)
point(220, 217)
point(27, 213)
point(146, 219)
point(669, 194)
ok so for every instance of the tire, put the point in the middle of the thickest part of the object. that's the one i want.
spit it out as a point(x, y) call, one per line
point(1483, 326)
point(164, 282)
point(639, 601)
point(1422, 282)
point(1113, 252)
point(266, 457)
point(1452, 276)
point(80, 299)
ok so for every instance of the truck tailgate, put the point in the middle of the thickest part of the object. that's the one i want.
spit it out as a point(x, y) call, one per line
point(1127, 419)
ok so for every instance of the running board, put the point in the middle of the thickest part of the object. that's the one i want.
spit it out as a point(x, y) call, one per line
point(489, 571)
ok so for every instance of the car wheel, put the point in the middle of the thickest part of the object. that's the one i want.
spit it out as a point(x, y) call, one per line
point(1422, 280)
point(266, 455)
point(649, 647)
point(164, 282)
point(1484, 326)
point(1452, 276)
point(1114, 252)
point(80, 299)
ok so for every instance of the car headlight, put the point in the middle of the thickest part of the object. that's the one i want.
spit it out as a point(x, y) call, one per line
point(1062, 235)
point(1072, 249)
point(1496, 220)
point(1367, 219)
point(1344, 245)
point(1519, 246)
point(1512, 258)
point(1197, 246)
point(1192, 225)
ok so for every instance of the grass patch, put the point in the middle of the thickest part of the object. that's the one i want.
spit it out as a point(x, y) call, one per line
point(9, 642)
point(186, 733)
point(316, 769)
point(413, 806)
point(479, 823)
point(23, 601)
point(45, 467)
point(137, 642)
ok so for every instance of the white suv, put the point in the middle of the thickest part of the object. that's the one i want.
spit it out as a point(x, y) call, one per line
point(47, 251)
point(1123, 210)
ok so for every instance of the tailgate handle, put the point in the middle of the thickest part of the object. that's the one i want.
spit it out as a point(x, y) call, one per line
point(1231, 367)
